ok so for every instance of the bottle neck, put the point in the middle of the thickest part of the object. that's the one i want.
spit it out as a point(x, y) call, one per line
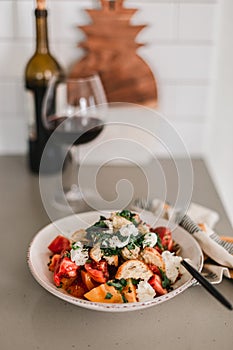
point(42, 45)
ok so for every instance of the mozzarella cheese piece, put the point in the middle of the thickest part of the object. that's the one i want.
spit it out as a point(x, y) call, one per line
point(150, 240)
point(144, 291)
point(129, 230)
point(172, 265)
point(115, 242)
point(78, 254)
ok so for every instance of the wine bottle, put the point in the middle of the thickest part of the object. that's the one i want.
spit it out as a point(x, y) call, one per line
point(40, 68)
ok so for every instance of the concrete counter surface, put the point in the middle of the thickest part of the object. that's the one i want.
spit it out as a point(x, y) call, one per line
point(31, 318)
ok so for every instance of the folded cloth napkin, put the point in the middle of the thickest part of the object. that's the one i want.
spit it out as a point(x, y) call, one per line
point(200, 221)
point(199, 214)
point(196, 212)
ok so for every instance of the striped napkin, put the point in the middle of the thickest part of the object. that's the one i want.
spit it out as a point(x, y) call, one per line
point(200, 221)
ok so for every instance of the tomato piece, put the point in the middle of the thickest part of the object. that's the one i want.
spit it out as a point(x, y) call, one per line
point(98, 271)
point(97, 275)
point(165, 235)
point(77, 290)
point(59, 244)
point(154, 269)
point(87, 280)
point(53, 262)
point(65, 268)
point(65, 282)
point(156, 282)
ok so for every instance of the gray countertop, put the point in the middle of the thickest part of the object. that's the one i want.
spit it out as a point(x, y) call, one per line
point(31, 318)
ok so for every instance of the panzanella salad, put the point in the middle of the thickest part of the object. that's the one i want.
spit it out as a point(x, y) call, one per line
point(119, 259)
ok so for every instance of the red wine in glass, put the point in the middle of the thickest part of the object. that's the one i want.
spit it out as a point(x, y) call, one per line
point(75, 130)
point(76, 117)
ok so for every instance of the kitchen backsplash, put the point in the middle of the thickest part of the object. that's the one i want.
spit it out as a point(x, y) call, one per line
point(180, 42)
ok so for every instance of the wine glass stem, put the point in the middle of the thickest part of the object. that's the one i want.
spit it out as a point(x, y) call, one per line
point(74, 168)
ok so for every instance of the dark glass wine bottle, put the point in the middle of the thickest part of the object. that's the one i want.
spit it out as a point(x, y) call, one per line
point(40, 68)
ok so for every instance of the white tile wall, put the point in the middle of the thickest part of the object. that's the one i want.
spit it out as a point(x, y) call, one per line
point(184, 101)
point(160, 17)
point(178, 62)
point(180, 41)
point(196, 22)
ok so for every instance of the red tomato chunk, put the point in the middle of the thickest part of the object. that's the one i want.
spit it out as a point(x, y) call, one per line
point(166, 237)
point(59, 244)
point(64, 268)
point(156, 282)
point(98, 271)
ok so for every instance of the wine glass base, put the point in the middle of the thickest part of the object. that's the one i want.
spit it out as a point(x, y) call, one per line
point(72, 200)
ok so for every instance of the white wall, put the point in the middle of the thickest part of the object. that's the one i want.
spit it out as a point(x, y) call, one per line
point(180, 40)
point(219, 144)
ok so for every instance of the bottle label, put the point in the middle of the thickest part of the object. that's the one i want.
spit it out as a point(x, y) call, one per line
point(30, 103)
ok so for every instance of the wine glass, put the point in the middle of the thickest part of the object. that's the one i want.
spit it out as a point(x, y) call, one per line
point(72, 115)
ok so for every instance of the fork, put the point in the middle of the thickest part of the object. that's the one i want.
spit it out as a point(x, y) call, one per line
point(190, 226)
point(211, 276)
point(186, 222)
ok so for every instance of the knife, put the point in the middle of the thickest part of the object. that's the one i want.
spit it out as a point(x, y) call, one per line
point(207, 285)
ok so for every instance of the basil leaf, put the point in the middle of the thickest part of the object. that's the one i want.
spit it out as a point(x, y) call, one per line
point(118, 284)
point(110, 251)
point(124, 299)
point(159, 243)
point(108, 296)
point(135, 281)
point(166, 283)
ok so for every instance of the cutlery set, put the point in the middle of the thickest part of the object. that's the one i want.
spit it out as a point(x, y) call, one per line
point(190, 226)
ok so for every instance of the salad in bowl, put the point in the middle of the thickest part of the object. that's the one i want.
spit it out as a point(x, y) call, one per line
point(118, 259)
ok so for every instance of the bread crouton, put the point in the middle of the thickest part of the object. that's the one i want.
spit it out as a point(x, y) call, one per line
point(111, 260)
point(128, 254)
point(143, 228)
point(119, 221)
point(134, 269)
point(78, 235)
point(152, 257)
point(96, 253)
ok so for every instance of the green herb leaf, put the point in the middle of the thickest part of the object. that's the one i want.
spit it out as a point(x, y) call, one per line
point(123, 282)
point(118, 284)
point(159, 243)
point(131, 246)
point(101, 222)
point(95, 234)
point(75, 247)
point(67, 255)
point(124, 299)
point(135, 281)
point(108, 296)
point(165, 280)
point(110, 251)
point(139, 240)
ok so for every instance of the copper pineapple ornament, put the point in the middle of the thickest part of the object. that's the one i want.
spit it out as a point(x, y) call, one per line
point(111, 51)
